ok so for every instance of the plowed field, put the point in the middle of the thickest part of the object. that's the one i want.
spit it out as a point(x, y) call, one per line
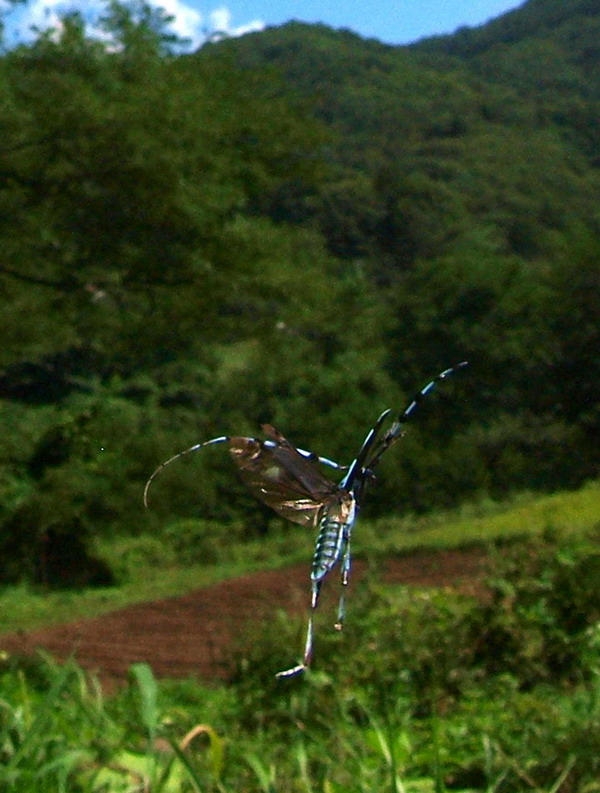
point(193, 635)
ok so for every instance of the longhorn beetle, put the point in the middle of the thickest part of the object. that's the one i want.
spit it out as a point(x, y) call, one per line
point(289, 481)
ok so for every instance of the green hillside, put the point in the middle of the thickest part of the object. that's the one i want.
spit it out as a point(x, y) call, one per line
point(298, 227)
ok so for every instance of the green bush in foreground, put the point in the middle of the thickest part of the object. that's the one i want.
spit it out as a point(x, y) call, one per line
point(407, 700)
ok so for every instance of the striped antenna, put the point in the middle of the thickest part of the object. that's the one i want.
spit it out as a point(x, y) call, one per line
point(194, 448)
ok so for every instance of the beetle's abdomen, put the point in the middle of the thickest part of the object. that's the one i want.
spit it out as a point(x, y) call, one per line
point(334, 528)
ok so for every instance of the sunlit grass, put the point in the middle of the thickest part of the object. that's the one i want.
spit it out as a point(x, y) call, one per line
point(567, 513)
point(65, 735)
point(157, 575)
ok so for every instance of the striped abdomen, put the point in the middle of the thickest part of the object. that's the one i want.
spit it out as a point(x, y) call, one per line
point(334, 529)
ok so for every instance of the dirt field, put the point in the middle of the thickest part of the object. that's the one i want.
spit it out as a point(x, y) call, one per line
point(192, 635)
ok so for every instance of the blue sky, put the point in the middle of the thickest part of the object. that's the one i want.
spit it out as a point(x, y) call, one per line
point(396, 22)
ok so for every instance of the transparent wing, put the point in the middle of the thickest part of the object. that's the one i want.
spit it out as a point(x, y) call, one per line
point(279, 476)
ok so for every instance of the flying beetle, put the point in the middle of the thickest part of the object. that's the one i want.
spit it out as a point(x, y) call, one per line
point(289, 480)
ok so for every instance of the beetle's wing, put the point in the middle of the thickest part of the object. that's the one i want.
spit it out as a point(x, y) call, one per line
point(283, 479)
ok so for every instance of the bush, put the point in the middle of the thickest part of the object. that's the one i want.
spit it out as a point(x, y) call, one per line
point(202, 541)
point(541, 619)
point(538, 625)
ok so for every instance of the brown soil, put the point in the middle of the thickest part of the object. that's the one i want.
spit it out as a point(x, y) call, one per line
point(193, 635)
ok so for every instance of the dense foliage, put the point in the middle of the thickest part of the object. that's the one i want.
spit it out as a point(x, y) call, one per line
point(425, 692)
point(298, 227)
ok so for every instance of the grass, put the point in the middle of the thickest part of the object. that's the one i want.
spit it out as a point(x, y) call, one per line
point(58, 732)
point(566, 513)
point(150, 574)
point(413, 703)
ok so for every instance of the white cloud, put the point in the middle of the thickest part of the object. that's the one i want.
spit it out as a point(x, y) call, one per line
point(220, 22)
point(188, 23)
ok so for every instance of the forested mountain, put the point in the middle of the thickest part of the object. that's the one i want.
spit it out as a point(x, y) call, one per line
point(301, 227)
point(517, 127)
point(545, 51)
point(571, 26)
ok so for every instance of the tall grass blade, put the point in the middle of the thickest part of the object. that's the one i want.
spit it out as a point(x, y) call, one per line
point(563, 776)
point(303, 764)
point(265, 776)
point(185, 762)
point(39, 726)
point(216, 747)
point(148, 691)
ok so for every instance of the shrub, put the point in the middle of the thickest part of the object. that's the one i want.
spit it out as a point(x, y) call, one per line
point(539, 623)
